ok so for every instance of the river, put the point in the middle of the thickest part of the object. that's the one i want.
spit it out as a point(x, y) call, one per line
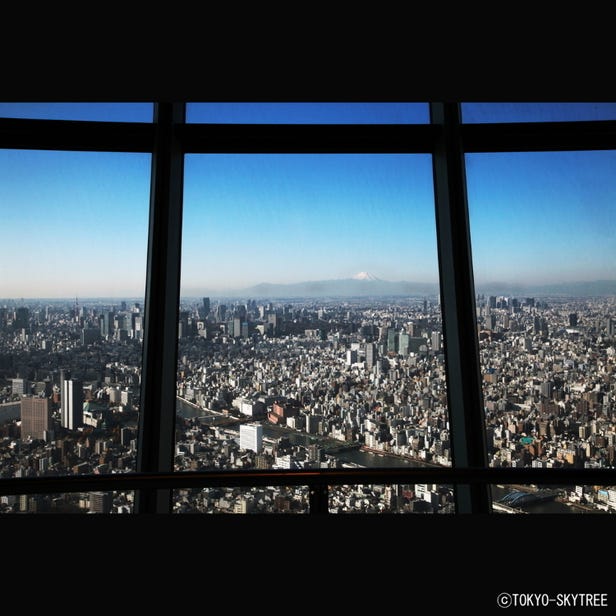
point(367, 459)
point(352, 456)
point(553, 506)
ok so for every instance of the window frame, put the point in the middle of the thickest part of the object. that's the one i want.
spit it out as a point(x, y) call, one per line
point(169, 138)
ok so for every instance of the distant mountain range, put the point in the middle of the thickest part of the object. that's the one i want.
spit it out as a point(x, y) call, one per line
point(365, 284)
point(346, 287)
point(586, 288)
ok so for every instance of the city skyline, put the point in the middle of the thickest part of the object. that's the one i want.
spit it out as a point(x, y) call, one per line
point(75, 223)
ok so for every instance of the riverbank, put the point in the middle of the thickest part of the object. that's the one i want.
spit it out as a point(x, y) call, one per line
point(415, 461)
point(558, 505)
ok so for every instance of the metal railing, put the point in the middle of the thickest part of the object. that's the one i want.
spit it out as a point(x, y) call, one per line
point(318, 481)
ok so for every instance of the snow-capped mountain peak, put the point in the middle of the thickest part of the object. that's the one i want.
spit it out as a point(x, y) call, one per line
point(364, 276)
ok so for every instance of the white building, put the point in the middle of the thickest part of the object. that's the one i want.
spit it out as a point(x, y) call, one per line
point(251, 437)
point(72, 404)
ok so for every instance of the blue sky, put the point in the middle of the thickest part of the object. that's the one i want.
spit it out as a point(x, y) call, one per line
point(297, 217)
point(75, 223)
point(541, 217)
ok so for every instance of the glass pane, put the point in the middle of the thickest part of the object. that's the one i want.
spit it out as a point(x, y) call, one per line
point(479, 113)
point(72, 265)
point(406, 498)
point(71, 502)
point(100, 112)
point(543, 227)
point(553, 499)
point(310, 331)
point(270, 499)
point(308, 113)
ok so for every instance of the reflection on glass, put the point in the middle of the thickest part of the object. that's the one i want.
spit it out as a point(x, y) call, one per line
point(72, 265)
point(553, 499)
point(270, 499)
point(543, 228)
point(407, 498)
point(310, 330)
point(308, 113)
point(480, 113)
point(97, 112)
point(72, 502)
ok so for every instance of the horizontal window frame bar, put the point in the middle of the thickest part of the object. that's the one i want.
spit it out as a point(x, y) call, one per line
point(308, 138)
point(539, 136)
point(75, 135)
point(250, 478)
point(78, 135)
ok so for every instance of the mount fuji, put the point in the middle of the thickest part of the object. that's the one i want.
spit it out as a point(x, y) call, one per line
point(364, 276)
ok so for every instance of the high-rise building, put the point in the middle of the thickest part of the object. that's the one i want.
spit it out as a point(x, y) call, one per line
point(313, 423)
point(251, 437)
point(64, 376)
point(436, 341)
point(403, 343)
point(272, 320)
point(106, 323)
point(36, 419)
point(22, 319)
point(392, 340)
point(221, 311)
point(370, 355)
point(100, 502)
point(547, 387)
point(183, 327)
point(72, 403)
point(205, 310)
point(138, 326)
point(20, 386)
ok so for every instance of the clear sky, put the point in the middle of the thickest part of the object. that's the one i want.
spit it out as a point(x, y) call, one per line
point(542, 217)
point(297, 217)
point(75, 223)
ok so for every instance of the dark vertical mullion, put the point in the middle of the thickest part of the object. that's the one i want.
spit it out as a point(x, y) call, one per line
point(458, 303)
point(319, 499)
point(157, 413)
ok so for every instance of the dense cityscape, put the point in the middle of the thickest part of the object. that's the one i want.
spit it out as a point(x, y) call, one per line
point(304, 383)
